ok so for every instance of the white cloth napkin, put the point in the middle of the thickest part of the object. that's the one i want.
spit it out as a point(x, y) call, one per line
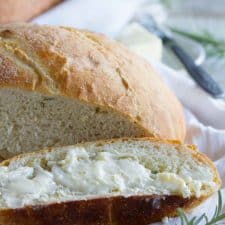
point(105, 16)
point(205, 116)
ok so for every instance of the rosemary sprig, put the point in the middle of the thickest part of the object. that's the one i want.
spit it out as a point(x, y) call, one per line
point(170, 3)
point(217, 219)
point(213, 46)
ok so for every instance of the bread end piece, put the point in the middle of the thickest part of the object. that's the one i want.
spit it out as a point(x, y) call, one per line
point(23, 10)
point(90, 68)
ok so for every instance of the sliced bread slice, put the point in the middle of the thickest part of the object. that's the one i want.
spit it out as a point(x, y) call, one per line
point(115, 182)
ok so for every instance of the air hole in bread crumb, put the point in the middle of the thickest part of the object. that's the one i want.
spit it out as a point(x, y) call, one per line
point(178, 148)
point(6, 33)
point(98, 144)
point(138, 118)
point(156, 147)
point(97, 110)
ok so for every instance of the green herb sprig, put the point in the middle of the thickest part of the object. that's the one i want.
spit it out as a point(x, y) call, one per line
point(170, 3)
point(218, 217)
point(213, 45)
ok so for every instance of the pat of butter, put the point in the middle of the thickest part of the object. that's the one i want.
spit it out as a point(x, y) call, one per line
point(173, 183)
point(141, 41)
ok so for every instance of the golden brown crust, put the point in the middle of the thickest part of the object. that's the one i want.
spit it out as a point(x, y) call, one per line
point(23, 10)
point(91, 68)
point(135, 210)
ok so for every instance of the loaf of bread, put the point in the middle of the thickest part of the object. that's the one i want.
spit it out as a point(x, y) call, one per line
point(116, 182)
point(23, 10)
point(60, 86)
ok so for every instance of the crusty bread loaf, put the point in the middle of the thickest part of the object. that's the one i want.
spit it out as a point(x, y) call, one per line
point(23, 10)
point(115, 182)
point(60, 86)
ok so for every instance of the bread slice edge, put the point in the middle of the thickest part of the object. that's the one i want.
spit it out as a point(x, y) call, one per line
point(137, 209)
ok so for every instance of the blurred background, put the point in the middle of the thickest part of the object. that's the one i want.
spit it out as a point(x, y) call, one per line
point(198, 25)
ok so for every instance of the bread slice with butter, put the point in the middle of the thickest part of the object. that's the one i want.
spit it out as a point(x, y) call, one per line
point(115, 182)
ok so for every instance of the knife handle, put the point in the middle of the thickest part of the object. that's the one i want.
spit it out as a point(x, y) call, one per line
point(197, 72)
